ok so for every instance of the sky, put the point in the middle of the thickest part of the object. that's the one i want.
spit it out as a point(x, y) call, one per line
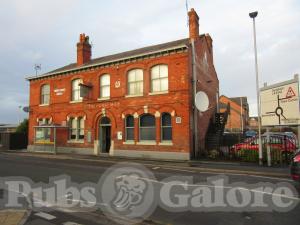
point(46, 32)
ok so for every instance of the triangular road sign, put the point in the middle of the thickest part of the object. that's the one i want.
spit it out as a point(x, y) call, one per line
point(290, 93)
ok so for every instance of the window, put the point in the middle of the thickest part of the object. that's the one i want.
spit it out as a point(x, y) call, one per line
point(45, 94)
point(44, 133)
point(166, 127)
point(147, 128)
point(135, 82)
point(129, 128)
point(105, 86)
point(159, 78)
point(76, 128)
point(76, 90)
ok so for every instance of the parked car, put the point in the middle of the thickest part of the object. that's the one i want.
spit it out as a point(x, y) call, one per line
point(295, 166)
point(277, 141)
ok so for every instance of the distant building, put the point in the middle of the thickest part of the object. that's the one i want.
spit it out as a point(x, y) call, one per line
point(253, 122)
point(137, 103)
point(8, 128)
point(239, 113)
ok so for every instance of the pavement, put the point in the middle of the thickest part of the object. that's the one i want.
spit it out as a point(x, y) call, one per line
point(13, 217)
point(198, 165)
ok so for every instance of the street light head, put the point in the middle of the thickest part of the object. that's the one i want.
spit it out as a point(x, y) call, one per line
point(253, 14)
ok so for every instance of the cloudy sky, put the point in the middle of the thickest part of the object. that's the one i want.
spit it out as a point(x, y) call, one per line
point(46, 32)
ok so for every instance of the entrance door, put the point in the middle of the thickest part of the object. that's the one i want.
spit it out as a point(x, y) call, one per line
point(105, 134)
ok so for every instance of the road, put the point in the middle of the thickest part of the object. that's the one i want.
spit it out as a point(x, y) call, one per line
point(40, 169)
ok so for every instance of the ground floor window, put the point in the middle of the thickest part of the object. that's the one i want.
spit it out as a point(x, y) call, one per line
point(76, 128)
point(43, 134)
point(166, 127)
point(147, 128)
point(129, 128)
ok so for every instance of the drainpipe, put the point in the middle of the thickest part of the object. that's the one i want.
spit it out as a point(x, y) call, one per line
point(195, 112)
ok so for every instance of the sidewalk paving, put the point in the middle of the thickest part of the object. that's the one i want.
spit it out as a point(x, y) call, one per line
point(13, 217)
point(198, 165)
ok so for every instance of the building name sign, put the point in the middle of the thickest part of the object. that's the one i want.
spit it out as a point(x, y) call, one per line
point(59, 91)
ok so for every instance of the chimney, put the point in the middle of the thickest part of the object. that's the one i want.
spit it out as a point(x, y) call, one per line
point(193, 24)
point(84, 51)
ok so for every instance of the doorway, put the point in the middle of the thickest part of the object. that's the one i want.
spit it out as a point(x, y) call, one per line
point(105, 135)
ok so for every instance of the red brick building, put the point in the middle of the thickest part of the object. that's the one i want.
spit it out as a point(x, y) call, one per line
point(137, 103)
point(239, 113)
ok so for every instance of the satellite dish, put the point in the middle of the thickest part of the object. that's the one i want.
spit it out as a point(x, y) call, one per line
point(201, 101)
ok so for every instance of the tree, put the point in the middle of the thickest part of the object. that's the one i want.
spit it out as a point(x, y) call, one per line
point(23, 127)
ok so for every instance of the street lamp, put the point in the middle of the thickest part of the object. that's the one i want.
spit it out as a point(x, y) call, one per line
point(253, 15)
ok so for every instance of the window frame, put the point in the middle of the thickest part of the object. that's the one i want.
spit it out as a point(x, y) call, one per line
point(77, 90)
point(135, 83)
point(128, 127)
point(78, 129)
point(140, 127)
point(163, 126)
point(160, 78)
point(104, 86)
point(43, 94)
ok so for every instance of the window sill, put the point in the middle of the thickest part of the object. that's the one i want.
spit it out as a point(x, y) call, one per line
point(159, 93)
point(44, 142)
point(132, 96)
point(103, 99)
point(168, 143)
point(44, 104)
point(146, 143)
point(75, 141)
point(128, 143)
point(75, 101)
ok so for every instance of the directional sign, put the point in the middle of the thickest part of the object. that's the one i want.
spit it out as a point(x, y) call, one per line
point(280, 104)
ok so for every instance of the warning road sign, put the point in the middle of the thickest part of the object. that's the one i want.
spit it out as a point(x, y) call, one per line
point(290, 93)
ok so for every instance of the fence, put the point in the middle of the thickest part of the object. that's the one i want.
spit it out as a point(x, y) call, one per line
point(13, 141)
point(235, 147)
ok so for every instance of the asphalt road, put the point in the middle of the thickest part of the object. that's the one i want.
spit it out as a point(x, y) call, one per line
point(40, 169)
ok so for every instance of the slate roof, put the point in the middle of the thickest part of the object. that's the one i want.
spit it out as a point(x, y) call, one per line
point(119, 56)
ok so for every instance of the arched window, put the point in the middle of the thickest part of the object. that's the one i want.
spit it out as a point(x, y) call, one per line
point(135, 82)
point(159, 78)
point(147, 128)
point(76, 90)
point(105, 86)
point(45, 94)
point(129, 128)
point(166, 127)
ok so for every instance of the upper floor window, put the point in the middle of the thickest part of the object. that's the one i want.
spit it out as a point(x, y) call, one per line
point(166, 127)
point(147, 128)
point(76, 128)
point(135, 82)
point(129, 128)
point(76, 90)
point(159, 78)
point(45, 94)
point(105, 86)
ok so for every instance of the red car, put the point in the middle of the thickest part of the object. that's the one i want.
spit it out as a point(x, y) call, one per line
point(277, 141)
point(295, 167)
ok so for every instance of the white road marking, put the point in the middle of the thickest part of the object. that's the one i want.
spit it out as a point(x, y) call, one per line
point(155, 168)
point(45, 215)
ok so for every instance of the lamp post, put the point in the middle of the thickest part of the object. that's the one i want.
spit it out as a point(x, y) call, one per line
point(252, 16)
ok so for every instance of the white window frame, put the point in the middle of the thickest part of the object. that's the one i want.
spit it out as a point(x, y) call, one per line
point(126, 127)
point(77, 129)
point(135, 83)
point(162, 128)
point(159, 78)
point(77, 90)
point(104, 86)
point(44, 95)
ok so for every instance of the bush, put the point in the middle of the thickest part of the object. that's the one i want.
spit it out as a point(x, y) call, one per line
point(248, 155)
